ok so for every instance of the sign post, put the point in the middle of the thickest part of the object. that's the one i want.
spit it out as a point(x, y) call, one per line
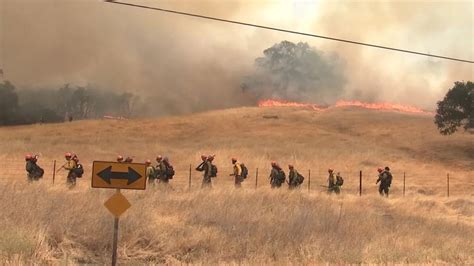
point(115, 240)
point(118, 176)
point(117, 205)
point(360, 183)
point(114, 245)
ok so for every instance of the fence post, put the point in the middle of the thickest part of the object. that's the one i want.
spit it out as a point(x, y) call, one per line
point(189, 179)
point(309, 180)
point(360, 183)
point(447, 180)
point(404, 184)
point(54, 170)
point(256, 178)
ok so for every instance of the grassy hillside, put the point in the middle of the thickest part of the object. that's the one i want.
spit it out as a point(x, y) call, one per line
point(46, 223)
point(348, 140)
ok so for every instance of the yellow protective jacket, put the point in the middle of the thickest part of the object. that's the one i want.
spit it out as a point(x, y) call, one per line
point(207, 169)
point(70, 164)
point(331, 180)
point(293, 177)
point(237, 169)
point(150, 171)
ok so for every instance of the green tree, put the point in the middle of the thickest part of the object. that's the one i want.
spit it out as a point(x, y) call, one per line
point(456, 109)
point(128, 103)
point(296, 71)
point(81, 102)
point(33, 105)
point(63, 100)
point(8, 104)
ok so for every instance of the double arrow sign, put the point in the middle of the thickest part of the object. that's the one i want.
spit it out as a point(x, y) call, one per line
point(107, 175)
point(118, 175)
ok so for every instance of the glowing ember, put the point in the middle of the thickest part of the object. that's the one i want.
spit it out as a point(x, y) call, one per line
point(282, 103)
point(342, 103)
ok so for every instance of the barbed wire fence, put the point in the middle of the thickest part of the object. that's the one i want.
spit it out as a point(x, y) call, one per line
point(357, 182)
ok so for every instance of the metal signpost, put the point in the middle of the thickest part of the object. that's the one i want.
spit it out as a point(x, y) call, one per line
point(118, 176)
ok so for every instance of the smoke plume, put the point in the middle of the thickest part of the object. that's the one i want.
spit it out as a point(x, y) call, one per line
point(180, 64)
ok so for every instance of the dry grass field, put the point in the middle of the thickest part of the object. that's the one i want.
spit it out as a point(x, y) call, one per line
point(46, 223)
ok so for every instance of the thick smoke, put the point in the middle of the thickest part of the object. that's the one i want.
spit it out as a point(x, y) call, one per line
point(181, 64)
point(437, 27)
point(174, 64)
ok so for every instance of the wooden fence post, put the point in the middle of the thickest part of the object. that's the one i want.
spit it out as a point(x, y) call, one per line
point(256, 178)
point(447, 180)
point(309, 180)
point(54, 170)
point(189, 180)
point(404, 176)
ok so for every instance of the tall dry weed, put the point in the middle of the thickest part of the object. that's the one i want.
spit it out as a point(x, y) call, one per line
point(233, 226)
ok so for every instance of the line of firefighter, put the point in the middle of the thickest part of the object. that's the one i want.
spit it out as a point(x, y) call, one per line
point(164, 171)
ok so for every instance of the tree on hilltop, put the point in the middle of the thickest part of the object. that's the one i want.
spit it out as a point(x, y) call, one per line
point(456, 109)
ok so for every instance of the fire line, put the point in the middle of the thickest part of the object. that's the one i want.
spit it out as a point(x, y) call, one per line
point(344, 103)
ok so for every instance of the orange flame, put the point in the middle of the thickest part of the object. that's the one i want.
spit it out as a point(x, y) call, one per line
point(383, 106)
point(342, 103)
point(283, 103)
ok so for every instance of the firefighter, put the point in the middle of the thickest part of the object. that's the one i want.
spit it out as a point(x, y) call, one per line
point(120, 159)
point(332, 182)
point(150, 173)
point(277, 175)
point(385, 179)
point(34, 172)
point(237, 173)
point(168, 171)
point(205, 167)
point(29, 168)
point(339, 181)
point(295, 179)
point(79, 170)
point(161, 170)
point(70, 166)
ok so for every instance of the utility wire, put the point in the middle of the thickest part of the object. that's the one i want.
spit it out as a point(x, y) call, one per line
point(287, 31)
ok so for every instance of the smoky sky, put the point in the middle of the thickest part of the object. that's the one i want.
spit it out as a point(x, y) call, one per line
point(184, 65)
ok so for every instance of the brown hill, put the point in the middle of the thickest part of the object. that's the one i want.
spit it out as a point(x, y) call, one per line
point(347, 139)
point(50, 224)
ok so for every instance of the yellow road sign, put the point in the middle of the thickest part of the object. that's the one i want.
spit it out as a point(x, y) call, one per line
point(117, 204)
point(118, 175)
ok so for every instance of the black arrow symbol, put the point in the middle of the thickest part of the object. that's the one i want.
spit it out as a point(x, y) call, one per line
point(107, 175)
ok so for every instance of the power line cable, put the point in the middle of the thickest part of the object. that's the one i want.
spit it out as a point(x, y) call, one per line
point(287, 31)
